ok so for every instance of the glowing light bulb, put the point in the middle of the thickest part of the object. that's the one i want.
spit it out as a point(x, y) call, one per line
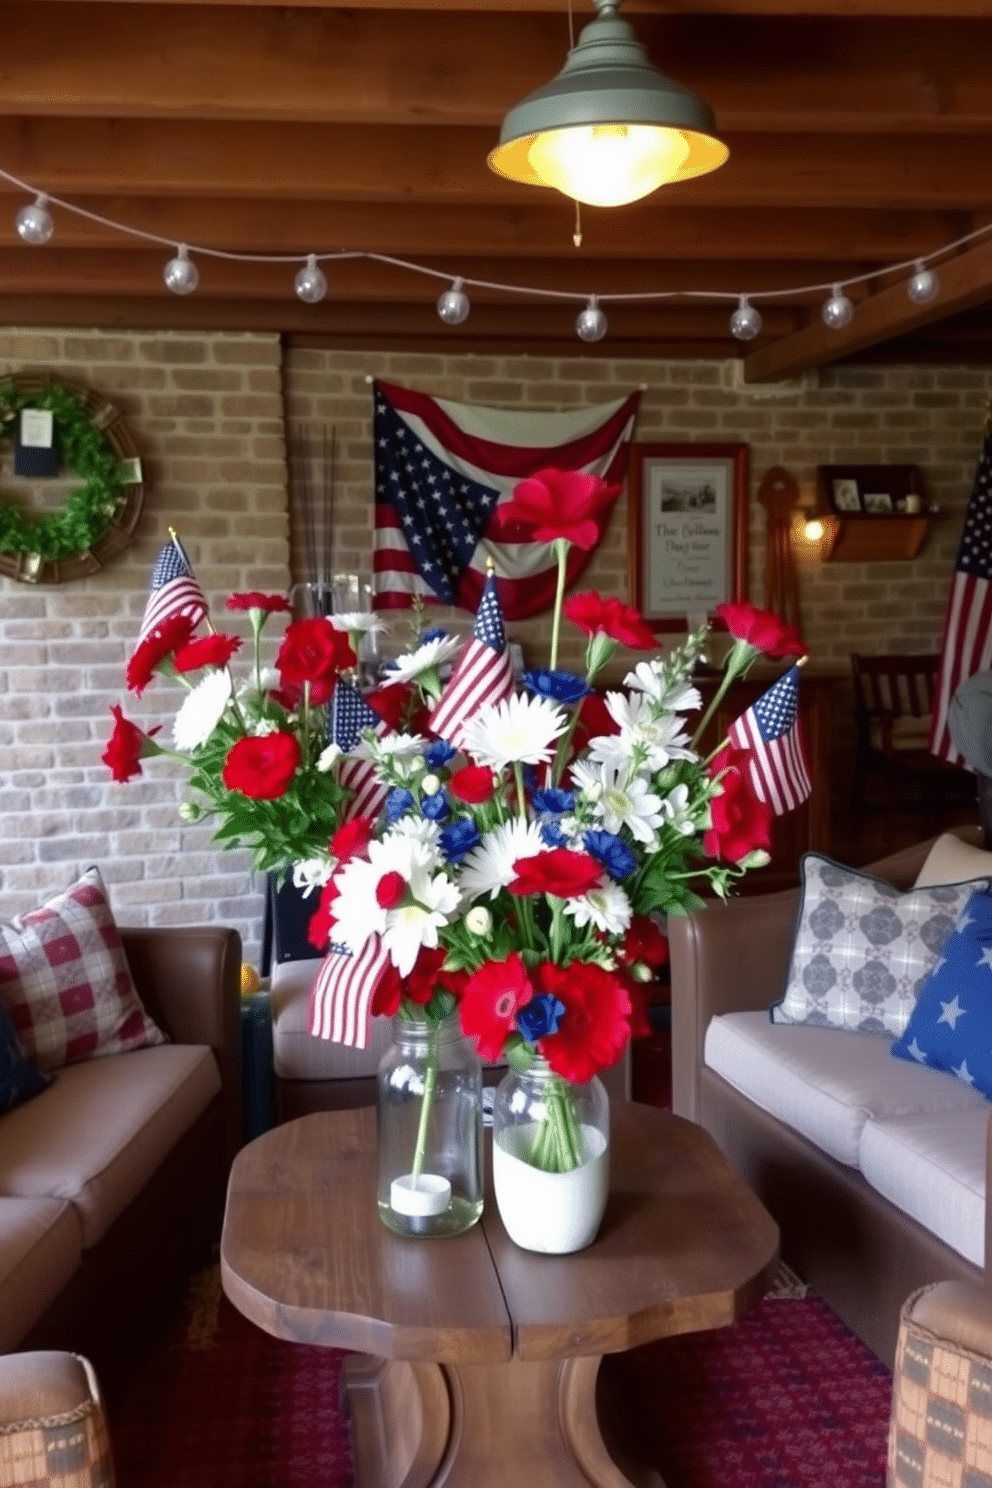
point(924, 285)
point(180, 274)
point(745, 323)
point(34, 224)
point(591, 324)
point(310, 283)
point(838, 310)
point(453, 306)
point(608, 165)
point(813, 530)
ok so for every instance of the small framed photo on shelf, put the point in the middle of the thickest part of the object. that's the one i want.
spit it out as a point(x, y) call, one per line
point(845, 496)
point(878, 501)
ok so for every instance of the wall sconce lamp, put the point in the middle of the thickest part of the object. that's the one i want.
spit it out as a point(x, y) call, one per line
point(610, 128)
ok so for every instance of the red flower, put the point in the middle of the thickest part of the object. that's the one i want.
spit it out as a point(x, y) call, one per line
point(473, 784)
point(313, 651)
point(352, 838)
point(761, 629)
point(595, 1027)
point(388, 994)
point(551, 504)
point(560, 871)
point(594, 719)
point(210, 650)
point(390, 890)
point(645, 942)
point(621, 622)
point(125, 747)
point(167, 637)
point(741, 822)
point(269, 603)
point(490, 1003)
point(322, 921)
point(400, 707)
point(262, 767)
point(640, 1023)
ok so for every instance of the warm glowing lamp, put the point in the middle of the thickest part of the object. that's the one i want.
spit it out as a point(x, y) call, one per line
point(609, 128)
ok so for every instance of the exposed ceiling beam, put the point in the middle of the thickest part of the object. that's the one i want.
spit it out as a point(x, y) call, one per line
point(964, 281)
point(847, 8)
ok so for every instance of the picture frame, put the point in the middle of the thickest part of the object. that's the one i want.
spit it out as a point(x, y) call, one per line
point(687, 526)
point(878, 501)
point(845, 495)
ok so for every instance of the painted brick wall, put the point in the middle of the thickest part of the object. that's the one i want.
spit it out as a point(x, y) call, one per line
point(206, 414)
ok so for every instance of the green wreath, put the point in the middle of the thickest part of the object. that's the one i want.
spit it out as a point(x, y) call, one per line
point(84, 517)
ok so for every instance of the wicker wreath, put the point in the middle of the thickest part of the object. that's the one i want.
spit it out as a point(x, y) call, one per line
point(98, 518)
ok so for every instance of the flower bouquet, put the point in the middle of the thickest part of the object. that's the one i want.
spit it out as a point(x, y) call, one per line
point(476, 851)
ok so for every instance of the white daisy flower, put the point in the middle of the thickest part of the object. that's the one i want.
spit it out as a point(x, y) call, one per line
point(520, 730)
point(202, 710)
point(412, 664)
point(651, 678)
point(489, 867)
point(606, 906)
point(390, 746)
point(312, 874)
point(408, 927)
point(329, 757)
point(358, 622)
point(677, 810)
point(422, 830)
point(357, 911)
point(624, 802)
point(657, 736)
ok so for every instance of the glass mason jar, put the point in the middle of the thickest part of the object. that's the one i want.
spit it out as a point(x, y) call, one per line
point(430, 1129)
point(551, 1158)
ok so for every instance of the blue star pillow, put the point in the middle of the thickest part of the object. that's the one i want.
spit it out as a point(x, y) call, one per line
point(951, 1026)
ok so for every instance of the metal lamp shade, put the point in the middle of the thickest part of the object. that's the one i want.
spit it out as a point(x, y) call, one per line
point(609, 86)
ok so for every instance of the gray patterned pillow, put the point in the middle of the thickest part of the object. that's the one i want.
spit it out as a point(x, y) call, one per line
point(862, 949)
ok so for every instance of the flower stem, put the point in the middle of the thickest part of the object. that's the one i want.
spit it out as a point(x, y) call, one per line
point(426, 1101)
point(561, 546)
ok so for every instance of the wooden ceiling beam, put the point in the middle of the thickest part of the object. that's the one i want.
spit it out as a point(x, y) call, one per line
point(896, 9)
point(965, 280)
point(415, 67)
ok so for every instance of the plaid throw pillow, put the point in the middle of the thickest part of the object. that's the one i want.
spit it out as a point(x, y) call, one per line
point(65, 981)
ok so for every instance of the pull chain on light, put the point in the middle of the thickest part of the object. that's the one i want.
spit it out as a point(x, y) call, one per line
point(180, 274)
point(34, 223)
point(310, 283)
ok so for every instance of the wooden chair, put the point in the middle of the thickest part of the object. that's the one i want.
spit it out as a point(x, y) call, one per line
point(893, 703)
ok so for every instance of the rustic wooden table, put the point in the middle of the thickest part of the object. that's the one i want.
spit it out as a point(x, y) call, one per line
point(480, 1362)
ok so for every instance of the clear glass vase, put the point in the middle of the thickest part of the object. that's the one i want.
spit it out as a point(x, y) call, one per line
point(430, 1129)
point(551, 1158)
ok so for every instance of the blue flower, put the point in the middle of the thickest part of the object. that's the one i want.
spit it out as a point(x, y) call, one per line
point(560, 687)
point(614, 854)
point(435, 807)
point(439, 753)
point(398, 802)
point(459, 839)
point(541, 1016)
point(553, 834)
point(554, 801)
point(436, 633)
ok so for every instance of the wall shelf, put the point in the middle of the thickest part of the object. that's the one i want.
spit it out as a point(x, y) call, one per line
point(875, 539)
point(872, 536)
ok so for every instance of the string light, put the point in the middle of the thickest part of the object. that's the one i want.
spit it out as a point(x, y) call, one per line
point(34, 225)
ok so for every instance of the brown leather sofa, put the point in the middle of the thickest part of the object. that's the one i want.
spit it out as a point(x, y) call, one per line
point(860, 1253)
point(112, 1180)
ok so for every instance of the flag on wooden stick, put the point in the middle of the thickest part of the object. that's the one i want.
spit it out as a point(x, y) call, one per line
point(772, 733)
point(350, 717)
point(174, 590)
point(483, 673)
point(341, 996)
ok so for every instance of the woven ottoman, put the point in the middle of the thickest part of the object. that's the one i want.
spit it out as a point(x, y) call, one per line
point(53, 1433)
point(940, 1432)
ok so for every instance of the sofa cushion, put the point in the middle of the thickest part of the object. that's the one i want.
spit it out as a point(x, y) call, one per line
point(97, 1136)
point(65, 980)
point(296, 1054)
point(931, 1165)
point(862, 949)
point(19, 1078)
point(41, 1245)
point(951, 1026)
point(825, 1083)
point(951, 860)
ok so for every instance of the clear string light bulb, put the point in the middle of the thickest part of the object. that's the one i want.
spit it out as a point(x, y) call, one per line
point(180, 274)
point(453, 306)
point(924, 285)
point(310, 283)
point(838, 310)
point(34, 223)
point(591, 324)
point(745, 323)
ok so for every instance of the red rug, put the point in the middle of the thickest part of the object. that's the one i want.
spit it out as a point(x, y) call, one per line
point(787, 1398)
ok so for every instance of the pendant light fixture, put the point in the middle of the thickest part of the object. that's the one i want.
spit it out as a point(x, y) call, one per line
point(609, 128)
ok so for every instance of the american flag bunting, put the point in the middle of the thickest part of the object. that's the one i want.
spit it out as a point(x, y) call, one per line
point(772, 733)
point(483, 673)
point(174, 591)
point(341, 995)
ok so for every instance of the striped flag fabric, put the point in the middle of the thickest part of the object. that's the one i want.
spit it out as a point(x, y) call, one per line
point(967, 643)
point(350, 717)
point(483, 673)
point(174, 591)
point(341, 996)
point(441, 468)
point(772, 732)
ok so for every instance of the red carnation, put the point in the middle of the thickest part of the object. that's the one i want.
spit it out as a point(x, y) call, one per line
point(490, 1003)
point(473, 784)
point(167, 637)
point(400, 707)
point(595, 1027)
point(621, 622)
point(560, 871)
point(645, 942)
point(126, 746)
point(388, 993)
point(552, 504)
point(322, 921)
point(253, 600)
point(390, 890)
point(762, 629)
point(352, 838)
point(262, 767)
point(740, 822)
point(211, 650)
point(313, 651)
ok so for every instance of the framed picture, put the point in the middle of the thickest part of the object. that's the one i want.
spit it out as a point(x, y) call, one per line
point(845, 495)
point(687, 508)
point(878, 501)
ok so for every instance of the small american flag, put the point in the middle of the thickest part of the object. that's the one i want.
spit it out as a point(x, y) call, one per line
point(483, 674)
point(342, 992)
point(174, 591)
point(770, 729)
point(350, 717)
point(967, 646)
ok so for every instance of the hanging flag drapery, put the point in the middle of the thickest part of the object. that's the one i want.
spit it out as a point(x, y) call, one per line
point(483, 673)
point(341, 995)
point(174, 590)
point(967, 644)
point(772, 733)
point(440, 470)
point(350, 717)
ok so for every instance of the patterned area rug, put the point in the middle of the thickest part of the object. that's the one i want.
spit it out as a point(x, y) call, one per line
point(787, 1398)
